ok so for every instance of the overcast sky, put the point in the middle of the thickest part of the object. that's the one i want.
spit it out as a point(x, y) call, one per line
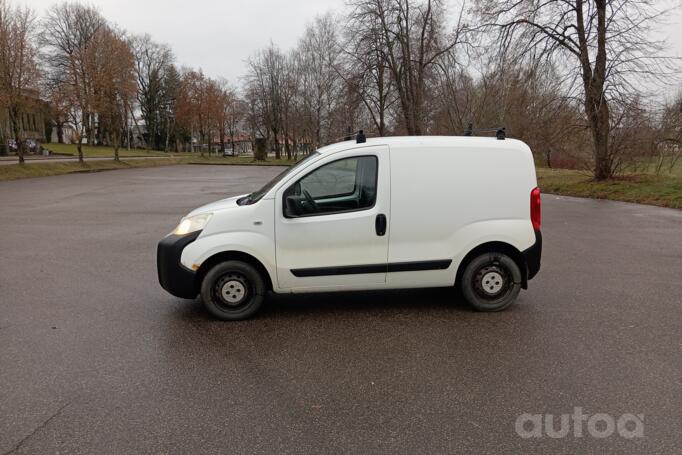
point(219, 35)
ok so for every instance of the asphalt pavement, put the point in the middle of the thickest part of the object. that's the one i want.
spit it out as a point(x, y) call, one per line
point(96, 358)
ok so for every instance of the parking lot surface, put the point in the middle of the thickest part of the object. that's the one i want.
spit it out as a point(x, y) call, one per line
point(96, 358)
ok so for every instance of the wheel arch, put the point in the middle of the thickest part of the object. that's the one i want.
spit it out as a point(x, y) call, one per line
point(495, 247)
point(233, 255)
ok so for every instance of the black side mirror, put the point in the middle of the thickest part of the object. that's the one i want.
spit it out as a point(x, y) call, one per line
point(292, 206)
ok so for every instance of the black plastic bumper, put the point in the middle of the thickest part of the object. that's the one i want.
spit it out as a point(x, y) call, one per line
point(532, 256)
point(173, 276)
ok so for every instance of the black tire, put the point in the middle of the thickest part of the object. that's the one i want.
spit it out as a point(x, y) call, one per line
point(491, 282)
point(233, 290)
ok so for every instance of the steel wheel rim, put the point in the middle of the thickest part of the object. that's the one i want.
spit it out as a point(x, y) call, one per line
point(492, 281)
point(231, 291)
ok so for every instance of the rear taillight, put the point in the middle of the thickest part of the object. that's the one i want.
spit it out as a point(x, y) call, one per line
point(535, 213)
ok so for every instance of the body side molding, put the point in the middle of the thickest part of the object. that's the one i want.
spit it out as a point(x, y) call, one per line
point(415, 266)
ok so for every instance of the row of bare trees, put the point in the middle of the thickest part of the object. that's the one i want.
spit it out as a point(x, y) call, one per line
point(89, 71)
point(105, 84)
point(207, 109)
point(570, 77)
point(18, 64)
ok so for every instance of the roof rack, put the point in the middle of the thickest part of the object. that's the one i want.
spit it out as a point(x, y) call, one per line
point(500, 132)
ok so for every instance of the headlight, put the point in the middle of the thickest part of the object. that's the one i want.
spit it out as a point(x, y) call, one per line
point(192, 224)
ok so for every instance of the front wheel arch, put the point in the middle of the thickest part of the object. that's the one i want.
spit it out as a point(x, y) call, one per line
point(494, 247)
point(224, 256)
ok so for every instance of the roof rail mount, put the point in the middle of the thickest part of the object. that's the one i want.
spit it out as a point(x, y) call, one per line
point(360, 138)
point(500, 132)
point(349, 135)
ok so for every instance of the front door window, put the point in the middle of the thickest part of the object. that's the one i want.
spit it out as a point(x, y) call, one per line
point(344, 185)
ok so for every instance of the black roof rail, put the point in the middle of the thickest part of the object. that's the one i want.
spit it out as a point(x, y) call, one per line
point(359, 136)
point(500, 132)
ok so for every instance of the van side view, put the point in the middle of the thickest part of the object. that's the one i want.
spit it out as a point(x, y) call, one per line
point(392, 212)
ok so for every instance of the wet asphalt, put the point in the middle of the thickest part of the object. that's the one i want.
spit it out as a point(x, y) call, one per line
point(96, 358)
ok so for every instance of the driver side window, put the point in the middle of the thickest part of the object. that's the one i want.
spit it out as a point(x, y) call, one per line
point(344, 185)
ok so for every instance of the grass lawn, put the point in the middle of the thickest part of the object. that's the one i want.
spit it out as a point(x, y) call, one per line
point(17, 171)
point(195, 158)
point(46, 168)
point(235, 160)
point(90, 151)
point(664, 190)
point(645, 188)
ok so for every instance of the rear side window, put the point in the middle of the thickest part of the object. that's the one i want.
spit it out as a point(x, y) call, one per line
point(344, 185)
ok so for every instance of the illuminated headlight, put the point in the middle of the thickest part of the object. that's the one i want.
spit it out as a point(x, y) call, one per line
point(192, 224)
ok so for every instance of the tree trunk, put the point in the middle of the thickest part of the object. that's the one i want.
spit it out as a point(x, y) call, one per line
point(14, 120)
point(599, 124)
point(17, 141)
point(287, 148)
point(60, 133)
point(90, 129)
point(260, 150)
point(117, 143)
point(201, 145)
point(596, 105)
point(276, 139)
point(80, 150)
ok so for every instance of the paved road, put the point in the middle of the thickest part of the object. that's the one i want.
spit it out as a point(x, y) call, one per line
point(34, 160)
point(96, 358)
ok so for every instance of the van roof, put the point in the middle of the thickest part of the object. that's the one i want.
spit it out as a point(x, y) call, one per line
point(397, 142)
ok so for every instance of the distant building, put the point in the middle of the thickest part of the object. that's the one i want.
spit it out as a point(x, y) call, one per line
point(68, 134)
point(242, 145)
point(32, 121)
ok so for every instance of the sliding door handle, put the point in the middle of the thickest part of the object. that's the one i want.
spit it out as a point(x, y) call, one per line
point(380, 224)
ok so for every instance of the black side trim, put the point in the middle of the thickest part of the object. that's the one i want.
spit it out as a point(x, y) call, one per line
point(533, 255)
point(373, 268)
point(173, 276)
point(419, 265)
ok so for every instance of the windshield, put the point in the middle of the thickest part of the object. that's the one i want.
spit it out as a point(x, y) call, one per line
point(257, 195)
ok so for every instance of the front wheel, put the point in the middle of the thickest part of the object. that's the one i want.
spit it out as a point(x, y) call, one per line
point(491, 282)
point(233, 290)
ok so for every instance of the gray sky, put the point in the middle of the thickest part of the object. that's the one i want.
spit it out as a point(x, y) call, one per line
point(218, 36)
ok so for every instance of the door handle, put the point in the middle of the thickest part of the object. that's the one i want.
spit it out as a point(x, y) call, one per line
point(380, 224)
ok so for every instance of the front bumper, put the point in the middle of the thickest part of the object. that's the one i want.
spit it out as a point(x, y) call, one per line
point(532, 257)
point(173, 276)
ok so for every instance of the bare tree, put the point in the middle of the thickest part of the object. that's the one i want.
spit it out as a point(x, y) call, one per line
point(255, 118)
point(59, 108)
point(265, 81)
point(414, 39)
point(153, 66)
point(609, 42)
point(198, 107)
point(112, 64)
point(171, 85)
point(366, 67)
point(68, 33)
point(317, 56)
point(233, 112)
point(669, 136)
point(18, 67)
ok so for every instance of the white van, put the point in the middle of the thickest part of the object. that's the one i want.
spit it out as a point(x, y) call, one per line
point(385, 213)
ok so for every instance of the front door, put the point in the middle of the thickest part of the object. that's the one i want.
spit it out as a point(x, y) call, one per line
point(332, 222)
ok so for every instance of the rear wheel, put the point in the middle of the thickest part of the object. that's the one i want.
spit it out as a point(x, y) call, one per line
point(491, 282)
point(233, 290)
